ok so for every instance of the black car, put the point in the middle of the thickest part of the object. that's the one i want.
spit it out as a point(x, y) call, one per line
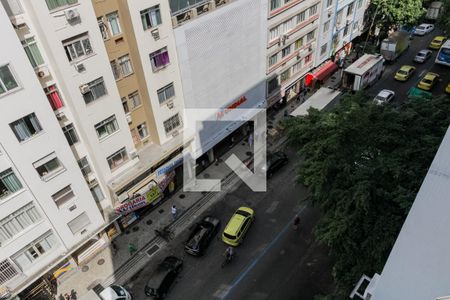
point(202, 235)
point(274, 162)
point(164, 276)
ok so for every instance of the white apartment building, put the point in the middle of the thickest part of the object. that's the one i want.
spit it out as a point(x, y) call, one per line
point(46, 208)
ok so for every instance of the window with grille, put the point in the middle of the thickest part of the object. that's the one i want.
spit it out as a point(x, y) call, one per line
point(26, 127)
point(172, 123)
point(125, 65)
point(106, 127)
point(9, 183)
point(77, 47)
point(286, 51)
point(143, 131)
point(96, 89)
point(114, 24)
point(71, 134)
point(273, 59)
point(310, 35)
point(313, 10)
point(117, 158)
point(166, 93)
point(134, 99)
point(7, 271)
point(301, 17)
point(33, 252)
point(18, 221)
point(7, 80)
point(151, 17)
point(103, 28)
point(274, 4)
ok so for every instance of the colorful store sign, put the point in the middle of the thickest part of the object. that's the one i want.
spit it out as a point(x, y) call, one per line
point(236, 104)
point(138, 202)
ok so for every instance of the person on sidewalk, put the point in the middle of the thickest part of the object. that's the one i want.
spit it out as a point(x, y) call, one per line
point(173, 210)
point(132, 249)
point(250, 140)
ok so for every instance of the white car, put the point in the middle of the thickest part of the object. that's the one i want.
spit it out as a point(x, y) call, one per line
point(384, 96)
point(423, 29)
point(422, 56)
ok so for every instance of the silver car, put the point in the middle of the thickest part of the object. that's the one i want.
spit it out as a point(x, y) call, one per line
point(422, 56)
point(423, 29)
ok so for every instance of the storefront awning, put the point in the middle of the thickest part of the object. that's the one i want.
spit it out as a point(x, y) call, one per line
point(321, 73)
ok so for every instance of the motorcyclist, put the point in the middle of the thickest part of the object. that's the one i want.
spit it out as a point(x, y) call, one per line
point(229, 253)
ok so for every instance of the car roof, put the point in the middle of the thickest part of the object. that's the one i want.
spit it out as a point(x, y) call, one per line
point(236, 220)
point(385, 93)
point(424, 51)
point(406, 67)
point(161, 270)
point(212, 220)
point(431, 75)
point(425, 24)
point(439, 38)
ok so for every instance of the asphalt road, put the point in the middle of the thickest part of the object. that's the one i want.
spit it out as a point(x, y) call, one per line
point(274, 262)
point(401, 88)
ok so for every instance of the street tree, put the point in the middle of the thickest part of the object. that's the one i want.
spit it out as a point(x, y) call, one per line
point(363, 165)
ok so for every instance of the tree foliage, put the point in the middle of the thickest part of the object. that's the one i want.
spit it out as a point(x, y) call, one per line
point(363, 165)
point(444, 19)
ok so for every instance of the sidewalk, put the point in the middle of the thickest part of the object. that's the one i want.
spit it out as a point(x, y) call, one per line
point(106, 268)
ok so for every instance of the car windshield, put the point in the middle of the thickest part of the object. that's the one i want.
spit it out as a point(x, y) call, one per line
point(380, 98)
point(402, 72)
point(243, 213)
point(194, 241)
point(428, 81)
point(421, 28)
point(421, 54)
point(119, 291)
point(229, 236)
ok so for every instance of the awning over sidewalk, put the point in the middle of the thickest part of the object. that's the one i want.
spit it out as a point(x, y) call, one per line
point(321, 73)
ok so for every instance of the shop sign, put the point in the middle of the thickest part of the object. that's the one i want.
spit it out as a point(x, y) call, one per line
point(165, 182)
point(127, 220)
point(169, 167)
point(236, 104)
point(139, 201)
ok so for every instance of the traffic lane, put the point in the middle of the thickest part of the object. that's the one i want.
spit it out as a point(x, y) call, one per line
point(284, 270)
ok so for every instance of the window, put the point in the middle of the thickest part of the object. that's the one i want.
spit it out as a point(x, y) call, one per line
point(18, 221)
point(273, 59)
point(159, 59)
point(7, 80)
point(166, 93)
point(7, 271)
point(117, 158)
point(96, 192)
point(298, 43)
point(79, 223)
point(84, 166)
point(339, 17)
point(313, 10)
point(272, 85)
point(329, 2)
point(13, 8)
point(106, 127)
point(301, 17)
point(308, 58)
point(53, 96)
point(95, 89)
point(310, 35)
point(71, 134)
point(274, 4)
point(114, 25)
point(103, 28)
point(355, 26)
point(151, 17)
point(326, 26)
point(26, 127)
point(134, 99)
point(125, 105)
point(323, 49)
point(297, 67)
point(63, 195)
point(350, 9)
point(285, 75)
point(77, 47)
point(48, 166)
point(274, 33)
point(54, 4)
point(115, 69)
point(25, 258)
point(142, 129)
point(360, 3)
point(125, 65)
point(286, 51)
point(288, 25)
point(9, 184)
point(346, 30)
point(32, 51)
point(172, 123)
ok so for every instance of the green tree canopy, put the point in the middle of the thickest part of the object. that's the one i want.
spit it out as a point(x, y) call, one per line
point(363, 164)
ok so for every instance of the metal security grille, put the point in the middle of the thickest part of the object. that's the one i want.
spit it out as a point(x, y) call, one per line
point(7, 271)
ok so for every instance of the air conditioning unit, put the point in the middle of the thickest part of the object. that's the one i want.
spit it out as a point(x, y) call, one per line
point(133, 154)
point(60, 115)
point(43, 72)
point(170, 104)
point(155, 34)
point(71, 14)
point(80, 68)
point(205, 7)
point(84, 89)
point(129, 119)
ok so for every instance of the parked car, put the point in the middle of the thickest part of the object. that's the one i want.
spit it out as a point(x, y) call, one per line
point(428, 81)
point(404, 73)
point(423, 29)
point(437, 42)
point(163, 277)
point(202, 235)
point(384, 96)
point(422, 56)
point(113, 292)
point(447, 89)
point(238, 226)
point(274, 162)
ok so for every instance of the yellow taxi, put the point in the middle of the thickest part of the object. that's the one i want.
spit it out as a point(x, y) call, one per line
point(428, 81)
point(404, 73)
point(237, 226)
point(447, 89)
point(437, 42)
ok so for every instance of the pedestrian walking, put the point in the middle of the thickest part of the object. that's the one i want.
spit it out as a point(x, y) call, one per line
point(250, 140)
point(132, 248)
point(296, 222)
point(173, 210)
point(114, 248)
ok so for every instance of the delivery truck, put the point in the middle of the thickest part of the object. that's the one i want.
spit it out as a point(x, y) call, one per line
point(394, 45)
point(435, 10)
point(363, 72)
